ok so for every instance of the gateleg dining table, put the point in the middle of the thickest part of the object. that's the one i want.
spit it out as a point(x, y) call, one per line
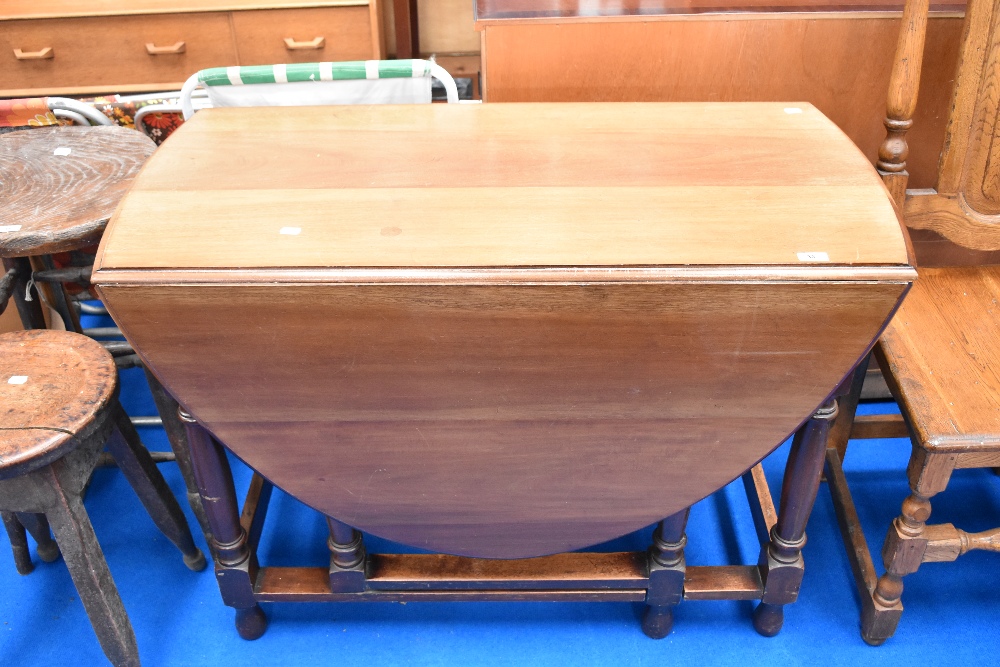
point(504, 333)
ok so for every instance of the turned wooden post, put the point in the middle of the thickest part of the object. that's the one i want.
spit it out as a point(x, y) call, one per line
point(235, 563)
point(902, 99)
point(347, 558)
point(666, 575)
point(781, 559)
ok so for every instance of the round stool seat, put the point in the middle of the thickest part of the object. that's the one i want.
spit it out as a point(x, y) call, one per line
point(53, 386)
point(60, 185)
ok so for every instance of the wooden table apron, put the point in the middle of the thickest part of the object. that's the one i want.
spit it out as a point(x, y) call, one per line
point(504, 331)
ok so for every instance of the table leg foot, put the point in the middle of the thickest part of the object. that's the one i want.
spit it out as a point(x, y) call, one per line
point(768, 619)
point(657, 622)
point(251, 622)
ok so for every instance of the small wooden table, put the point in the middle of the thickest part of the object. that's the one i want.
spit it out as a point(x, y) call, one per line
point(504, 331)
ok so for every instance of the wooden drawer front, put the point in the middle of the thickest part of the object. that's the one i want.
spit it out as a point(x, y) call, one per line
point(112, 51)
point(346, 33)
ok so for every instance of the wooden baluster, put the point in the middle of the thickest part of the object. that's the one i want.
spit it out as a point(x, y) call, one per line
point(666, 575)
point(781, 559)
point(235, 562)
point(902, 99)
point(347, 558)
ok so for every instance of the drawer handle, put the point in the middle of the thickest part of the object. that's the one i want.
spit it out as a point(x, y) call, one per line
point(45, 54)
point(292, 45)
point(154, 50)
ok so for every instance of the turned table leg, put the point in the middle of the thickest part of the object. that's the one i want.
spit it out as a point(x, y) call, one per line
point(167, 407)
point(347, 558)
point(236, 564)
point(781, 559)
point(666, 575)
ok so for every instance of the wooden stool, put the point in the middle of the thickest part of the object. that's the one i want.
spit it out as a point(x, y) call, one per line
point(59, 187)
point(58, 409)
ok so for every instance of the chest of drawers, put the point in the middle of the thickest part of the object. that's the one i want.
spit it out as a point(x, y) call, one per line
point(61, 47)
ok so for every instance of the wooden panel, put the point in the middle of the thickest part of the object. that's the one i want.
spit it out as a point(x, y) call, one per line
point(559, 416)
point(96, 51)
point(346, 33)
point(446, 26)
point(507, 185)
point(940, 352)
point(575, 571)
point(527, 10)
point(841, 65)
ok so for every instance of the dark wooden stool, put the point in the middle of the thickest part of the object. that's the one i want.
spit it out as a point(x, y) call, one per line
point(58, 409)
point(59, 187)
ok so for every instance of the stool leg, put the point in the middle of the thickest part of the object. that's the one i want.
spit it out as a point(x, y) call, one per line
point(18, 543)
point(167, 407)
point(90, 574)
point(37, 525)
point(30, 311)
point(140, 471)
point(781, 559)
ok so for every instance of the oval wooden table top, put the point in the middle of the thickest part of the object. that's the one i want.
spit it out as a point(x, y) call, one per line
point(60, 185)
point(504, 330)
point(52, 385)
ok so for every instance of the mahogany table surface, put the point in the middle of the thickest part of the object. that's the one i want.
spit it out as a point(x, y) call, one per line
point(504, 330)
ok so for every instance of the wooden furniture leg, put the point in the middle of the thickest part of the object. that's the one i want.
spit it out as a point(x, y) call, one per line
point(85, 561)
point(906, 542)
point(143, 476)
point(38, 526)
point(781, 559)
point(666, 575)
point(236, 564)
point(347, 558)
point(167, 407)
point(30, 311)
point(18, 543)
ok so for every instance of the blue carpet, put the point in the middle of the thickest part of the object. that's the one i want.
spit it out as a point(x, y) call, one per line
point(951, 609)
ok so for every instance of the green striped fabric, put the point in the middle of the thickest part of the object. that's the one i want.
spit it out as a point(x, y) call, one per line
point(357, 69)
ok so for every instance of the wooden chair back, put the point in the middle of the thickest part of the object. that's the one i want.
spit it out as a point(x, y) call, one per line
point(958, 222)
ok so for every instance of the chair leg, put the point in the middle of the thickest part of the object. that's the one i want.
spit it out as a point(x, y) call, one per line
point(140, 471)
point(905, 543)
point(90, 574)
point(18, 543)
point(38, 526)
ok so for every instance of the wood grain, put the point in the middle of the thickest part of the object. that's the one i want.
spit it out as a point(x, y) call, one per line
point(939, 349)
point(421, 413)
point(260, 35)
point(27, 9)
point(521, 192)
point(511, 10)
point(70, 379)
point(840, 64)
point(98, 51)
point(63, 202)
point(454, 386)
